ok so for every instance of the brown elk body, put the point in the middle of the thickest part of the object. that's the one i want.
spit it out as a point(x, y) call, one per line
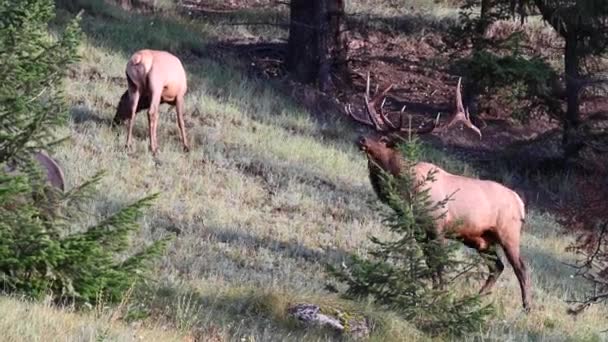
point(154, 77)
point(487, 212)
point(54, 173)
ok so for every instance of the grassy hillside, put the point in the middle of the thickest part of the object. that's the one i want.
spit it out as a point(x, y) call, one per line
point(261, 202)
point(25, 321)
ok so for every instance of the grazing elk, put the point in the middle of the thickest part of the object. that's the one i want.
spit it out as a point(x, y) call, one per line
point(489, 212)
point(154, 77)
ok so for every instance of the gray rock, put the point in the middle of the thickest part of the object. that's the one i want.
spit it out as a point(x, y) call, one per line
point(310, 314)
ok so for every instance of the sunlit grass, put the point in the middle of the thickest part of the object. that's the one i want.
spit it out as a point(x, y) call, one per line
point(26, 321)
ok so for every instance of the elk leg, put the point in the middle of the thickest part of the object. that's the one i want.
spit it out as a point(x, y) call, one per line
point(179, 108)
point(134, 96)
point(495, 265)
point(523, 276)
point(153, 120)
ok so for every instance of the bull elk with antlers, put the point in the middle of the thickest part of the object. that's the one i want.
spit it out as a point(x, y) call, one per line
point(489, 213)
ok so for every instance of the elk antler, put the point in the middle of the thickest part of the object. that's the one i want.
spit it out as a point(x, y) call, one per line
point(377, 118)
point(461, 113)
point(380, 121)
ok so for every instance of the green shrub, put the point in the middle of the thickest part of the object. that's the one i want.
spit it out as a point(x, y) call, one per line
point(495, 71)
point(41, 251)
point(400, 274)
point(523, 83)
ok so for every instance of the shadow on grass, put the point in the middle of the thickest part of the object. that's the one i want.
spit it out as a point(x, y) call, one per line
point(236, 256)
point(265, 170)
point(286, 249)
point(549, 274)
point(255, 16)
point(82, 114)
point(407, 24)
point(238, 313)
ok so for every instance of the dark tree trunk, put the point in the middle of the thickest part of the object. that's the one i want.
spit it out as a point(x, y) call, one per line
point(486, 6)
point(571, 141)
point(316, 45)
point(568, 27)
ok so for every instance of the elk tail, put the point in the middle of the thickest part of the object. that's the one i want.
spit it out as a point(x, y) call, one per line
point(136, 71)
point(136, 59)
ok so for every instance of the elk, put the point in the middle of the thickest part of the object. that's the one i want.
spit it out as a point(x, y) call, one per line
point(154, 77)
point(54, 173)
point(488, 212)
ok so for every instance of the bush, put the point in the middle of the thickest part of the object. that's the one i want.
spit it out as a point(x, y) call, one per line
point(40, 254)
point(524, 84)
point(400, 274)
point(591, 266)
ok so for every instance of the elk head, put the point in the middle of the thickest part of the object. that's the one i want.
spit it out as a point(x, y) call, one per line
point(377, 118)
point(123, 110)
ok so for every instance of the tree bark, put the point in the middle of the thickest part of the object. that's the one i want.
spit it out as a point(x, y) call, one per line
point(571, 141)
point(486, 6)
point(568, 27)
point(316, 46)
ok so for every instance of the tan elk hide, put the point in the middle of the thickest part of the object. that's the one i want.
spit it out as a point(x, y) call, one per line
point(54, 173)
point(487, 212)
point(154, 77)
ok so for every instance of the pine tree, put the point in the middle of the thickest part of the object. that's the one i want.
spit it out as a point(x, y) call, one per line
point(401, 275)
point(38, 253)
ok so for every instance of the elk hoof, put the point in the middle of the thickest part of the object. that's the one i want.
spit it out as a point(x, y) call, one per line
point(186, 149)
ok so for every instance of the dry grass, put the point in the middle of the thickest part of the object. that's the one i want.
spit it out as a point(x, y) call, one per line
point(25, 321)
point(261, 201)
point(539, 37)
